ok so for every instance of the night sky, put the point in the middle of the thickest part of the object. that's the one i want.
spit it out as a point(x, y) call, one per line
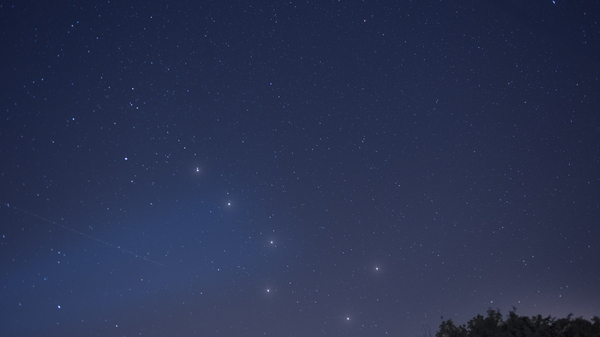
point(296, 168)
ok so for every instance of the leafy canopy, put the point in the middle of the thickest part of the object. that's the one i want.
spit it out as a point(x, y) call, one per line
point(521, 326)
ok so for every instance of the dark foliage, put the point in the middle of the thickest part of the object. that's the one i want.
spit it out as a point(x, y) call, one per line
point(521, 326)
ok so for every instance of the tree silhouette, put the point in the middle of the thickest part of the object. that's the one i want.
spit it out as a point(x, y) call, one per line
point(521, 326)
